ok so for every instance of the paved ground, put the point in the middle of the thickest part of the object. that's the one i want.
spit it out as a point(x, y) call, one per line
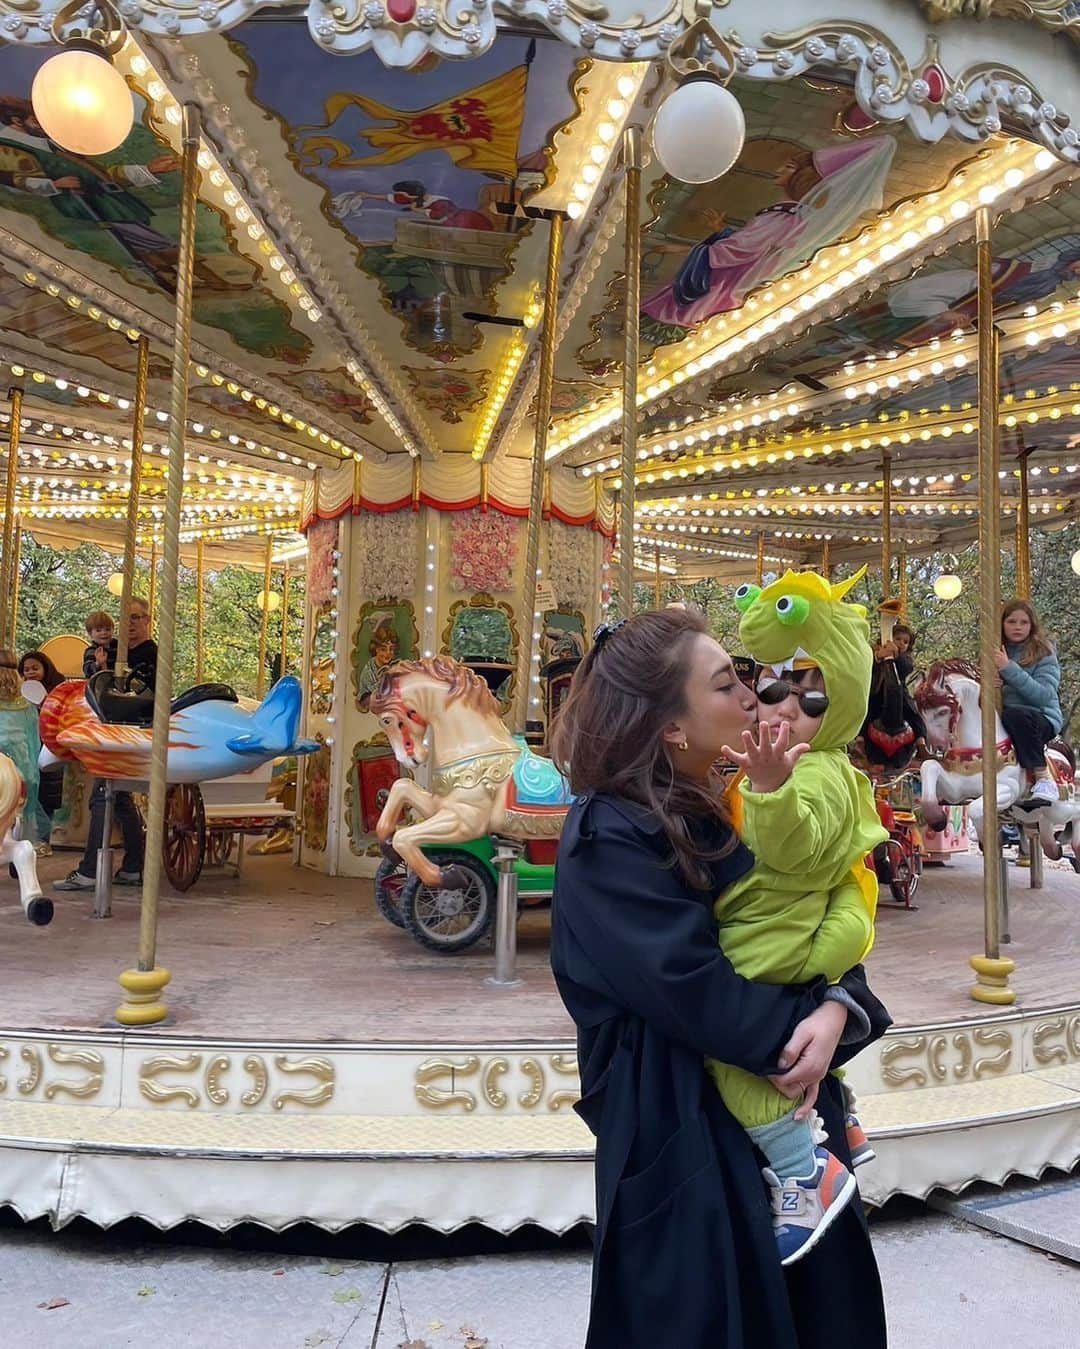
point(947, 1284)
point(246, 955)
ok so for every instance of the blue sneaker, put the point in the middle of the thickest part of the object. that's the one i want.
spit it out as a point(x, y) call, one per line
point(804, 1207)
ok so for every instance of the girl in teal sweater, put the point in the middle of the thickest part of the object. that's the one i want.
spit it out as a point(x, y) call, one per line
point(1030, 679)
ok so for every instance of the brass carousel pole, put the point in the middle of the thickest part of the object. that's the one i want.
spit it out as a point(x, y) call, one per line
point(264, 621)
point(631, 322)
point(200, 616)
point(285, 619)
point(131, 525)
point(759, 574)
point(991, 970)
point(528, 620)
point(143, 985)
point(886, 525)
point(901, 563)
point(7, 549)
point(1023, 530)
point(658, 583)
point(15, 582)
point(826, 563)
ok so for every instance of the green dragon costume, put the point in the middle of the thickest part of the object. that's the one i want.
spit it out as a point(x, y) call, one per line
point(807, 908)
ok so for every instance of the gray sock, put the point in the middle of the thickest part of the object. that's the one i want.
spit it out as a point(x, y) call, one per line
point(788, 1145)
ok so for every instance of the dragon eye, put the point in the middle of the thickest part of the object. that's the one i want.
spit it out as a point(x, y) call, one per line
point(745, 597)
point(792, 609)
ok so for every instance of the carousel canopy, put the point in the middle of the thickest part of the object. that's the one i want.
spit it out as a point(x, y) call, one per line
point(372, 234)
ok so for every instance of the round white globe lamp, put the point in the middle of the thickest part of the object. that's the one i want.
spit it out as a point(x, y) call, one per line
point(268, 600)
point(81, 102)
point(115, 584)
point(1074, 562)
point(947, 586)
point(699, 130)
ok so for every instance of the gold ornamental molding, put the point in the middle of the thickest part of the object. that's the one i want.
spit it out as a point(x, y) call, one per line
point(1053, 15)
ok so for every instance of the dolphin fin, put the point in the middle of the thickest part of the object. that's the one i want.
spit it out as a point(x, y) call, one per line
point(274, 723)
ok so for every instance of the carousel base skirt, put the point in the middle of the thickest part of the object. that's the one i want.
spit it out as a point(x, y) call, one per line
point(386, 1086)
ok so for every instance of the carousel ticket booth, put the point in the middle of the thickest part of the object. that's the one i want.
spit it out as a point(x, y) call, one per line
point(657, 295)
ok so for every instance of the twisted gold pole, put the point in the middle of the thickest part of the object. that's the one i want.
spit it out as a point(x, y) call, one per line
point(901, 563)
point(991, 971)
point(659, 583)
point(759, 572)
point(7, 548)
point(264, 619)
point(131, 524)
point(631, 335)
point(143, 985)
point(16, 581)
point(886, 525)
point(1023, 530)
point(826, 563)
point(200, 584)
point(528, 620)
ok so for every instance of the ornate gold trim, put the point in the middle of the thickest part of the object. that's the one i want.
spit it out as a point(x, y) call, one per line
point(486, 770)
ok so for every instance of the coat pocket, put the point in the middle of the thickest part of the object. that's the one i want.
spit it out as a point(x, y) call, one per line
point(688, 1152)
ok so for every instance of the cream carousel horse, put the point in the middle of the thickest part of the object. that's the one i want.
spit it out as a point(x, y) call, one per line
point(484, 781)
point(949, 699)
point(19, 853)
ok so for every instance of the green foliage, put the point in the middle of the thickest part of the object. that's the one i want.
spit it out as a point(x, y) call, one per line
point(57, 589)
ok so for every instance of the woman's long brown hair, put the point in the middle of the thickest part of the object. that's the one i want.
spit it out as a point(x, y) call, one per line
point(1038, 644)
point(608, 736)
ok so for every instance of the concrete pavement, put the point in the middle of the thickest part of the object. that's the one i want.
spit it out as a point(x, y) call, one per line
point(947, 1284)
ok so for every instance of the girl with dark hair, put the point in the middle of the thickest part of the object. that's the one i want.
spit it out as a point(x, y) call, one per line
point(36, 665)
point(684, 1247)
point(1030, 679)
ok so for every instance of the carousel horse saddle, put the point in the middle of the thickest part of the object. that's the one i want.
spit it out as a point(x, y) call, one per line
point(536, 782)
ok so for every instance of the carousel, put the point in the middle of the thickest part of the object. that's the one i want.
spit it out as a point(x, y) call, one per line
point(488, 322)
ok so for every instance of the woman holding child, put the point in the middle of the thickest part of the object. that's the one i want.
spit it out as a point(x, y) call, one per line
point(685, 1249)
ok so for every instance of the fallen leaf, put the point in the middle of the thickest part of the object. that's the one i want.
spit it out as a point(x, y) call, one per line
point(435, 1325)
point(277, 1273)
point(147, 1290)
point(347, 1295)
point(318, 1337)
point(414, 1344)
point(472, 1339)
point(324, 922)
point(53, 1303)
point(334, 1270)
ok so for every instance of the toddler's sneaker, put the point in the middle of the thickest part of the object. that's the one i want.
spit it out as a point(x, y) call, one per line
point(860, 1147)
point(805, 1207)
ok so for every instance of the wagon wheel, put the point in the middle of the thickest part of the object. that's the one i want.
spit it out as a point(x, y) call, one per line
point(184, 847)
point(218, 846)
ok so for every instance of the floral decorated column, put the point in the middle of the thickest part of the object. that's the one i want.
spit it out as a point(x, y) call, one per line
point(409, 560)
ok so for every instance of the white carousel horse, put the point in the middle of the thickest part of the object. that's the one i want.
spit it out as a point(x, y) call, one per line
point(19, 853)
point(949, 699)
point(484, 780)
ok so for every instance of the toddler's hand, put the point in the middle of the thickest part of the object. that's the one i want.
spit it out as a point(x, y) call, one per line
point(767, 763)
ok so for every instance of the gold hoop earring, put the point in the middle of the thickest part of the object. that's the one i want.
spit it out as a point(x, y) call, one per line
point(682, 746)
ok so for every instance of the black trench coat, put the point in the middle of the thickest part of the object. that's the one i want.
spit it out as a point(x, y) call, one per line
point(684, 1256)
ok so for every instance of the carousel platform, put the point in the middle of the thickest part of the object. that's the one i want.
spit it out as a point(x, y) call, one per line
point(321, 1067)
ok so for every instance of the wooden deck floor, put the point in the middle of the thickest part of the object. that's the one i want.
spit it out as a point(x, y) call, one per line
point(295, 955)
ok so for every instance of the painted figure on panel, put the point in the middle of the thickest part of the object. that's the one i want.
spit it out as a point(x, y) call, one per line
point(823, 193)
point(385, 633)
point(122, 210)
point(415, 166)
